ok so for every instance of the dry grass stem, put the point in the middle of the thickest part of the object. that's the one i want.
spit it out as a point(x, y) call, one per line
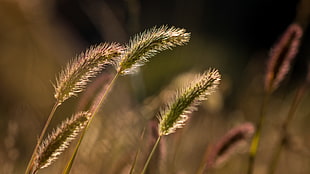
point(284, 134)
point(154, 165)
point(93, 90)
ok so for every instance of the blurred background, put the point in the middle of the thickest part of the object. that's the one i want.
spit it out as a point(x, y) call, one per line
point(38, 38)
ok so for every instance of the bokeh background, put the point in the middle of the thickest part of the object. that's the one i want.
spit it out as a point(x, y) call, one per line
point(38, 38)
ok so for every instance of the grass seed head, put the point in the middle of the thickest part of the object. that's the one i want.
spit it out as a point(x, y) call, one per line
point(281, 57)
point(176, 113)
point(231, 143)
point(74, 78)
point(59, 140)
point(147, 44)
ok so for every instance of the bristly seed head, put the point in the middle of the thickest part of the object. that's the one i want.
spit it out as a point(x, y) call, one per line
point(234, 140)
point(74, 78)
point(281, 57)
point(59, 140)
point(148, 44)
point(175, 114)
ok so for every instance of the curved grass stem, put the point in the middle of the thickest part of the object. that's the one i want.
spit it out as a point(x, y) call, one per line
point(150, 156)
point(256, 138)
point(202, 167)
point(283, 136)
point(95, 111)
point(48, 121)
point(133, 165)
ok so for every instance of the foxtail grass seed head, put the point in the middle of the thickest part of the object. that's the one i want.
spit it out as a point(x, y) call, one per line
point(175, 114)
point(281, 56)
point(74, 78)
point(230, 144)
point(147, 44)
point(59, 140)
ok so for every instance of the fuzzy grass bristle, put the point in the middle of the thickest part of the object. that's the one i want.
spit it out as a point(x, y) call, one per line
point(74, 78)
point(59, 140)
point(148, 44)
point(176, 112)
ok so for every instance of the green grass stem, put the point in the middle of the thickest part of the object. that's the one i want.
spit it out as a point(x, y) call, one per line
point(47, 123)
point(70, 163)
point(283, 136)
point(257, 136)
point(150, 156)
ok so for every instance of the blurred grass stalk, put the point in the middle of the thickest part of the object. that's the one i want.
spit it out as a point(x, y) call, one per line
point(279, 63)
point(284, 131)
